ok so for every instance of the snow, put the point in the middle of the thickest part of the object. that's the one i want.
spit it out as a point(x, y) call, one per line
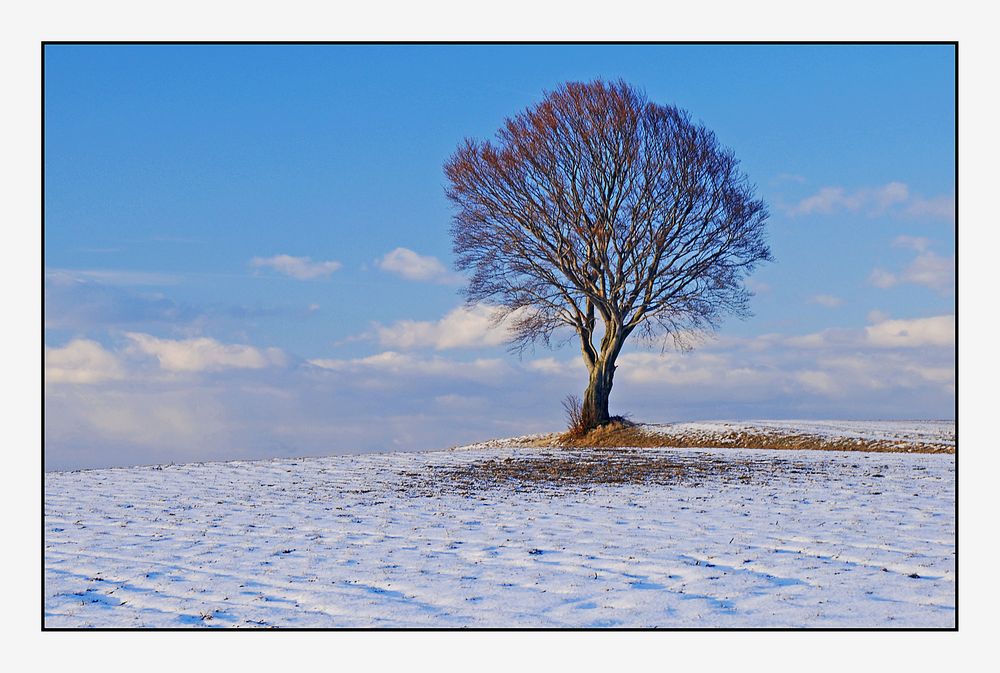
point(839, 539)
point(936, 432)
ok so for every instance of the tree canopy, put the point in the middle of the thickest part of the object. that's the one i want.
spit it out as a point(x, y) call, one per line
point(602, 211)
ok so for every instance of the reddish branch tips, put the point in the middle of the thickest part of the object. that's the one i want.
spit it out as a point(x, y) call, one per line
point(597, 203)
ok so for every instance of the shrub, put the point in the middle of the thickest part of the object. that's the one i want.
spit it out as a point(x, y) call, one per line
point(577, 418)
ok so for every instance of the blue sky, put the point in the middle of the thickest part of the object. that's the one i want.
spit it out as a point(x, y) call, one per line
point(247, 249)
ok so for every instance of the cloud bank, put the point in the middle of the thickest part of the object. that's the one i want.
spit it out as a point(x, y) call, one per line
point(81, 361)
point(203, 399)
point(203, 354)
point(462, 327)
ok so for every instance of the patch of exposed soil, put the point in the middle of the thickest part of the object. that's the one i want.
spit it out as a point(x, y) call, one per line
point(600, 466)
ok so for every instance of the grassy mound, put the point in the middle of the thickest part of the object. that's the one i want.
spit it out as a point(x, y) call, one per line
point(622, 433)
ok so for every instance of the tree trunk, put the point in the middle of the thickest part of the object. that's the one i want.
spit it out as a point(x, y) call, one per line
point(595, 399)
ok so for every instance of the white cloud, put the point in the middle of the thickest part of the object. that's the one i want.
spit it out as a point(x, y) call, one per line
point(832, 199)
point(931, 270)
point(414, 266)
point(673, 368)
point(882, 278)
point(463, 327)
point(406, 364)
point(788, 177)
point(827, 300)
point(893, 197)
point(834, 336)
point(934, 374)
point(146, 417)
point(912, 333)
point(756, 286)
point(204, 354)
point(918, 243)
point(551, 366)
point(818, 381)
point(928, 269)
point(824, 201)
point(938, 208)
point(460, 403)
point(81, 361)
point(66, 277)
point(876, 315)
point(301, 268)
point(837, 364)
point(936, 331)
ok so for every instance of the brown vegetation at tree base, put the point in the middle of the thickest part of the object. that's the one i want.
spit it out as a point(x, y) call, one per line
point(624, 434)
point(580, 423)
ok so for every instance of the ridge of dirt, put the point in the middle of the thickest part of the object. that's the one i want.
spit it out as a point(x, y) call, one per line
point(622, 435)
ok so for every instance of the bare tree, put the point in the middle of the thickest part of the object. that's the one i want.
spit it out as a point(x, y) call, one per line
point(599, 204)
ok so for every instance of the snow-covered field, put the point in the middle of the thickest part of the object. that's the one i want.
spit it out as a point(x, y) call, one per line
point(927, 432)
point(807, 539)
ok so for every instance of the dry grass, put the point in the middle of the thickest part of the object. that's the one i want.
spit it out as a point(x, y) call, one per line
point(625, 434)
point(617, 454)
point(593, 467)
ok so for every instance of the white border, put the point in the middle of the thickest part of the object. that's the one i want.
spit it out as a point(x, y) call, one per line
point(27, 24)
